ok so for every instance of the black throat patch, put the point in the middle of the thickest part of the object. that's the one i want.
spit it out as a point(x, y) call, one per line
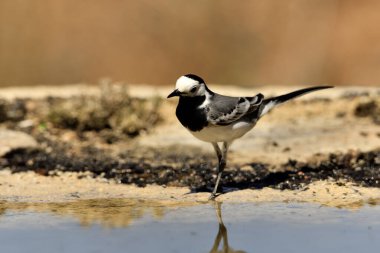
point(190, 115)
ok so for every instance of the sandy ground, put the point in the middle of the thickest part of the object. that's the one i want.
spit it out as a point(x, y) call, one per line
point(295, 131)
point(30, 187)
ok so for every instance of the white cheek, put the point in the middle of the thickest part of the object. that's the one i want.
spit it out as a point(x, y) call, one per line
point(207, 100)
point(201, 91)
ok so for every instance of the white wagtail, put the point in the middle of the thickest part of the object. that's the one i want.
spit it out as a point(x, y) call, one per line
point(215, 118)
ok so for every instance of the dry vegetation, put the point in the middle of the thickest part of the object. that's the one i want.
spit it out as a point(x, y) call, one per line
point(114, 115)
point(114, 110)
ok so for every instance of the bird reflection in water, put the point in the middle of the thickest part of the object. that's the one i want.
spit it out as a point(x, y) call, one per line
point(222, 234)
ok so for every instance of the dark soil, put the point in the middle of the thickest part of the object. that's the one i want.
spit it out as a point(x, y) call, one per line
point(170, 167)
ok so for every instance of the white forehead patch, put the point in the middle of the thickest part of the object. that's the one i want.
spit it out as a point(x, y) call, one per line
point(185, 84)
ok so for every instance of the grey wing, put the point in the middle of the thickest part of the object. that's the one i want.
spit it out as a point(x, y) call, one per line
point(224, 110)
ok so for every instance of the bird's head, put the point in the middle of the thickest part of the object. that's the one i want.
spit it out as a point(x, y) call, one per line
point(189, 85)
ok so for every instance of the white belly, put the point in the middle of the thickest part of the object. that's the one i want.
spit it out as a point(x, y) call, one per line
point(223, 133)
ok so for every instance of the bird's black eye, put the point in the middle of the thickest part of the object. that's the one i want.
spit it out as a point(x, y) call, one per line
point(194, 89)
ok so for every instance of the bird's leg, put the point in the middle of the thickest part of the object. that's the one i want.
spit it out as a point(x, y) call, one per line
point(218, 153)
point(222, 158)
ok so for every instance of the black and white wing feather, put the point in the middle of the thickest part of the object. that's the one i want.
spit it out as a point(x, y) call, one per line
point(224, 110)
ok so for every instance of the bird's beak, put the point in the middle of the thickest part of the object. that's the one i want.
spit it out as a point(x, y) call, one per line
point(174, 93)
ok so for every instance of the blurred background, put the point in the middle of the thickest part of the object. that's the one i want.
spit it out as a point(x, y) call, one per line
point(293, 42)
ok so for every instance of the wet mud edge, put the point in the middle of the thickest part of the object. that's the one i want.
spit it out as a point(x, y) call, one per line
point(172, 167)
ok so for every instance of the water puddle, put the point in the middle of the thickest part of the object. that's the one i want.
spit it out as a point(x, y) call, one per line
point(120, 225)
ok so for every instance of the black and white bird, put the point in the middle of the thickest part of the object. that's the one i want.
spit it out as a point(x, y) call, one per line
point(215, 118)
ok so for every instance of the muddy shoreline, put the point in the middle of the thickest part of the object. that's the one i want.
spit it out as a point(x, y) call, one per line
point(324, 148)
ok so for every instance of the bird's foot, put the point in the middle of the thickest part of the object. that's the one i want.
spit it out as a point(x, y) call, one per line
point(213, 196)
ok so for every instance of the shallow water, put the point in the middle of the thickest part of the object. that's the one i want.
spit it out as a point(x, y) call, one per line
point(119, 225)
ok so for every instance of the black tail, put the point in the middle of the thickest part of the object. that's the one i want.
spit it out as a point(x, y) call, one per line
point(269, 103)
